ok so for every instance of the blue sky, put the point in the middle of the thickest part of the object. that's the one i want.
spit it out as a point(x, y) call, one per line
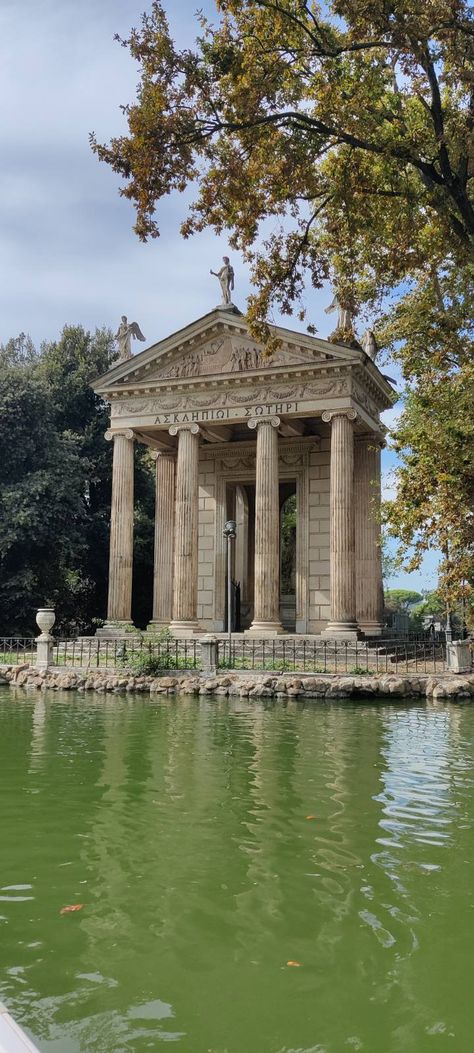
point(68, 252)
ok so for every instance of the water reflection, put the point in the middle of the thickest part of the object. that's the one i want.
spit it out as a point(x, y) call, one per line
point(182, 827)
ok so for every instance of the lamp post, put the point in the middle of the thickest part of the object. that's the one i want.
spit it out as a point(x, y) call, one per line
point(230, 531)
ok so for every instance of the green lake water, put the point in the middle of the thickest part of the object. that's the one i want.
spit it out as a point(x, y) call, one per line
point(181, 826)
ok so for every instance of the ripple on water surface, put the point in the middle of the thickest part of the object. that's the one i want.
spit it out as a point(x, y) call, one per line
point(258, 878)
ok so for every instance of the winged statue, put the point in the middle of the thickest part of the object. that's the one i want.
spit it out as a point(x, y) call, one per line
point(123, 337)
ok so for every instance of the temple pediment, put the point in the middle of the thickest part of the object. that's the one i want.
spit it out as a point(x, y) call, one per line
point(228, 354)
point(220, 344)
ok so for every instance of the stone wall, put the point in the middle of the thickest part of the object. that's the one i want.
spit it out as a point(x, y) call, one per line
point(245, 685)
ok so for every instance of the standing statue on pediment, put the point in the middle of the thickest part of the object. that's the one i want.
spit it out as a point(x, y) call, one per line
point(226, 278)
point(370, 344)
point(345, 321)
point(123, 337)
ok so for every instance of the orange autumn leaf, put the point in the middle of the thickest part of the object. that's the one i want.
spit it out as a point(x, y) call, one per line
point(71, 909)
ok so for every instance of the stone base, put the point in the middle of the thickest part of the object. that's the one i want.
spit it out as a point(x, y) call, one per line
point(113, 630)
point(371, 628)
point(264, 629)
point(341, 631)
point(186, 628)
point(155, 627)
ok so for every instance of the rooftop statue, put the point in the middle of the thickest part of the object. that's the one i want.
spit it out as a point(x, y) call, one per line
point(123, 337)
point(226, 278)
point(370, 344)
point(345, 322)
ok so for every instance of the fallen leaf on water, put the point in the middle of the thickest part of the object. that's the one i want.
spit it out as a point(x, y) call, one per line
point(311, 817)
point(297, 964)
point(72, 908)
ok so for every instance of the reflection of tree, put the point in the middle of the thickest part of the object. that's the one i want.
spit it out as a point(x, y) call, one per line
point(187, 820)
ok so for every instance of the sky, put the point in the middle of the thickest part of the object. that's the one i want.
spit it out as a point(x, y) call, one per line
point(68, 253)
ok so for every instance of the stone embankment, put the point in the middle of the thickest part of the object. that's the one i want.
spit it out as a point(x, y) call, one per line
point(244, 685)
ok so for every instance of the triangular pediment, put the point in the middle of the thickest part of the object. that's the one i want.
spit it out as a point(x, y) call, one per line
point(219, 344)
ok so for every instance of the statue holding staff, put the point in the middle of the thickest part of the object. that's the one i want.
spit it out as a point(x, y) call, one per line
point(226, 278)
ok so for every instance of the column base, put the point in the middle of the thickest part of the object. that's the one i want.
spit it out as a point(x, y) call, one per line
point(341, 631)
point(156, 626)
point(265, 629)
point(371, 628)
point(185, 628)
point(115, 629)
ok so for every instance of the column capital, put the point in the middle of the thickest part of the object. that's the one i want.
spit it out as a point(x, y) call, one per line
point(255, 421)
point(374, 439)
point(193, 428)
point(126, 433)
point(156, 454)
point(328, 415)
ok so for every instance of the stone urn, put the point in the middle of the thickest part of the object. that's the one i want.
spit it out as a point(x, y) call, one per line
point(45, 620)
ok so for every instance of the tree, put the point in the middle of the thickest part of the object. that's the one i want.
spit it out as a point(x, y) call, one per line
point(55, 485)
point(332, 141)
point(401, 599)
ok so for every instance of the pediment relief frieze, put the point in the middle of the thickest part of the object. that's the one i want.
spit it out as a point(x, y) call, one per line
point(229, 353)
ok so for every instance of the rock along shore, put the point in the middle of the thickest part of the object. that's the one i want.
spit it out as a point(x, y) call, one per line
point(244, 685)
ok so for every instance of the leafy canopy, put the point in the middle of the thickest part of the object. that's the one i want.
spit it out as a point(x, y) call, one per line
point(55, 484)
point(335, 141)
point(349, 122)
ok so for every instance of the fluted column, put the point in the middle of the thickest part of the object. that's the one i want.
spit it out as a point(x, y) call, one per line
point(341, 524)
point(186, 531)
point(266, 620)
point(369, 592)
point(164, 539)
point(119, 607)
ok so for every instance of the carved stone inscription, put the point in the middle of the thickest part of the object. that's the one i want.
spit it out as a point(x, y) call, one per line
point(227, 413)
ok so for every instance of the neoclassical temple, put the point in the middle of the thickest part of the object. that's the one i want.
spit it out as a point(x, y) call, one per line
point(236, 434)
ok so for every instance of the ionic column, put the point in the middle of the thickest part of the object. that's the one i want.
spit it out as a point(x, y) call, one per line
point(119, 607)
point(186, 531)
point(369, 591)
point(164, 539)
point(266, 620)
point(341, 524)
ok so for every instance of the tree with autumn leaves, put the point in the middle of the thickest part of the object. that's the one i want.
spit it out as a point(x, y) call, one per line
point(335, 142)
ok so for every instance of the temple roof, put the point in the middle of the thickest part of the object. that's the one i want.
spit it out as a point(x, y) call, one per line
point(217, 347)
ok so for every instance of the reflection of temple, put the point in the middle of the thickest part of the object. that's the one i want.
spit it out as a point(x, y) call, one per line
point(235, 435)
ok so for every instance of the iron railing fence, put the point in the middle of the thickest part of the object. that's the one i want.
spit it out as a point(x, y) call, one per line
point(326, 656)
point(128, 653)
point(280, 654)
point(17, 650)
point(418, 636)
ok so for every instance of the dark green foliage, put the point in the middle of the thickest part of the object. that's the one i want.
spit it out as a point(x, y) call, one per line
point(401, 599)
point(288, 545)
point(55, 485)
